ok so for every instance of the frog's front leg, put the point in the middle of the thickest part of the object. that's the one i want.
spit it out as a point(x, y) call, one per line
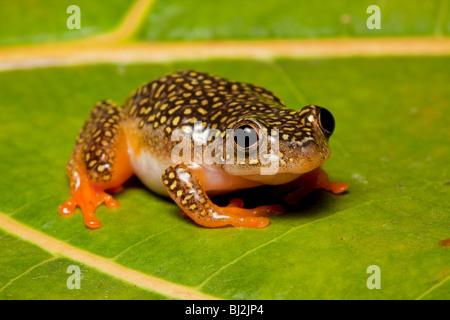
point(186, 189)
point(99, 162)
point(305, 184)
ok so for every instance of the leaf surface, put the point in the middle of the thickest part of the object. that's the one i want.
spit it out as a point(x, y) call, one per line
point(390, 144)
point(289, 19)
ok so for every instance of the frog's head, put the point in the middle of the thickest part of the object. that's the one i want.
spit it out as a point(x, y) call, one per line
point(280, 147)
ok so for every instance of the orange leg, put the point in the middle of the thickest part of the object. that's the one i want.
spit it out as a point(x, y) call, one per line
point(316, 179)
point(186, 189)
point(261, 211)
point(88, 197)
point(98, 162)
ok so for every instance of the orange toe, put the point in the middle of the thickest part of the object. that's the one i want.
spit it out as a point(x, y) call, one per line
point(271, 210)
point(324, 182)
point(108, 200)
point(236, 203)
point(251, 222)
point(260, 211)
point(250, 218)
point(91, 221)
point(237, 220)
point(67, 208)
point(338, 187)
point(88, 199)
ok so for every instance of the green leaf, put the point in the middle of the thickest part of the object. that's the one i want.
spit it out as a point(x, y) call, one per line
point(28, 21)
point(390, 144)
point(290, 19)
point(28, 272)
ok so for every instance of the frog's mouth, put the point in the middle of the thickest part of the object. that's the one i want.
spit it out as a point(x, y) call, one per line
point(283, 175)
point(288, 165)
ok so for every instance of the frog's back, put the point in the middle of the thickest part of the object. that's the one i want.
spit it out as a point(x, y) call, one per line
point(187, 96)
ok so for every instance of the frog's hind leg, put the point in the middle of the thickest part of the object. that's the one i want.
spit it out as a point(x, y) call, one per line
point(186, 189)
point(98, 162)
point(305, 184)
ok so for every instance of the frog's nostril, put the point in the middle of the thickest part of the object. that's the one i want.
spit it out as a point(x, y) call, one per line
point(326, 122)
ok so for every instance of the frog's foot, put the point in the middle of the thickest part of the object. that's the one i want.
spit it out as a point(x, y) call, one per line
point(234, 203)
point(316, 179)
point(235, 210)
point(88, 199)
point(260, 211)
point(186, 189)
point(236, 213)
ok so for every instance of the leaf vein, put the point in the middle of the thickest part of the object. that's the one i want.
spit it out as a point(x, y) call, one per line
point(27, 271)
point(144, 240)
point(433, 287)
point(58, 247)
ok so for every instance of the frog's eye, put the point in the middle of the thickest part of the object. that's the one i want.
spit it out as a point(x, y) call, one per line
point(326, 122)
point(246, 135)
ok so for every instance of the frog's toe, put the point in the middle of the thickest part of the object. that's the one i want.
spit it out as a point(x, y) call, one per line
point(236, 203)
point(261, 211)
point(269, 210)
point(324, 182)
point(91, 221)
point(338, 187)
point(108, 200)
point(248, 222)
point(240, 217)
point(253, 218)
point(67, 208)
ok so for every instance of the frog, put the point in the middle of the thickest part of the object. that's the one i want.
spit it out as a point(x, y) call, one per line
point(187, 110)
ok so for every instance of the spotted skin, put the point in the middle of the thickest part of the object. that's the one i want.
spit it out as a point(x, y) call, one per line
point(98, 137)
point(98, 162)
point(137, 137)
point(178, 100)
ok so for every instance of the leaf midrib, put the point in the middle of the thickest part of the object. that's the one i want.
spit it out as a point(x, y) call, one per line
point(57, 248)
point(71, 54)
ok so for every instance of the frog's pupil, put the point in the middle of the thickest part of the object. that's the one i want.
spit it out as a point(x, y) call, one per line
point(245, 136)
point(326, 122)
